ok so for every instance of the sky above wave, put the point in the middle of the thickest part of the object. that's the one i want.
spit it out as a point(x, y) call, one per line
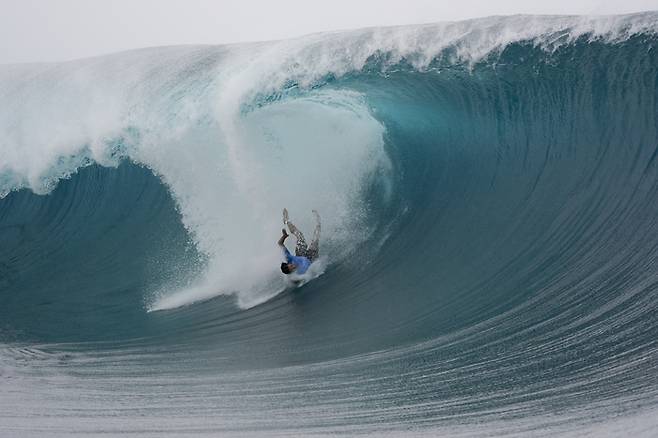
point(45, 31)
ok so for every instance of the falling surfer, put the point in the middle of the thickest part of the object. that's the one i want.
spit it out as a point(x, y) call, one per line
point(305, 254)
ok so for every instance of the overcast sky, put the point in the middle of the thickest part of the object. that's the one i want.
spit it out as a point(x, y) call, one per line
point(56, 30)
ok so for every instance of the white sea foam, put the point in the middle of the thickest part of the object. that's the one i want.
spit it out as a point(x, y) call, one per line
point(186, 113)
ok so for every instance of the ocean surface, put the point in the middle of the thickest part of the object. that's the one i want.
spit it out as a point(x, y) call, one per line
point(488, 190)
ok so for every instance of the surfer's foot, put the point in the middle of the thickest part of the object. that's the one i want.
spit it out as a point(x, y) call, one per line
point(285, 216)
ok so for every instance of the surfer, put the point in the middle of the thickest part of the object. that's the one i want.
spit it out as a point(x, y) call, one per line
point(304, 254)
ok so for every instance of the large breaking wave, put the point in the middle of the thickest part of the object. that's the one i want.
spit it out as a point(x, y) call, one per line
point(487, 190)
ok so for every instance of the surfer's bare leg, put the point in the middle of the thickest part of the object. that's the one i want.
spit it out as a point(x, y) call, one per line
point(301, 248)
point(314, 248)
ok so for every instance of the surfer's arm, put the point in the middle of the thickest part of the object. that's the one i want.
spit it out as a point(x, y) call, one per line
point(284, 235)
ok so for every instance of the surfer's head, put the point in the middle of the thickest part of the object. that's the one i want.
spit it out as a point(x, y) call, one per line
point(287, 268)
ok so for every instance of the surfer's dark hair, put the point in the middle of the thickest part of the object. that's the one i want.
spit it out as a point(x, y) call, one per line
point(284, 268)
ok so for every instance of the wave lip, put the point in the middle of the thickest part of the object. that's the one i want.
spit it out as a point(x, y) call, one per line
point(105, 117)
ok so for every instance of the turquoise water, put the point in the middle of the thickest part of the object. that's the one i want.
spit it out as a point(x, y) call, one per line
point(489, 240)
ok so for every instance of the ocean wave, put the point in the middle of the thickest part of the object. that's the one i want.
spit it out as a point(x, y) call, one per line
point(486, 192)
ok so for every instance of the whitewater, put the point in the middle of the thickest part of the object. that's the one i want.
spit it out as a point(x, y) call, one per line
point(487, 189)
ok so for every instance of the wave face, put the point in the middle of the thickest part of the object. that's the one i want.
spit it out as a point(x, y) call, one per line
point(487, 190)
